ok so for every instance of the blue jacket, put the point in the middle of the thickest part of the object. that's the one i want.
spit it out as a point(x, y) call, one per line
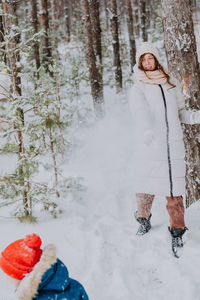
point(57, 285)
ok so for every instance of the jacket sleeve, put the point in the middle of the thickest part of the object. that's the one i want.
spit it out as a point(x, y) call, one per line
point(186, 116)
point(141, 114)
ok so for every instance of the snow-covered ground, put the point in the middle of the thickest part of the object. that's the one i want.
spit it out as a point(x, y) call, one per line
point(95, 235)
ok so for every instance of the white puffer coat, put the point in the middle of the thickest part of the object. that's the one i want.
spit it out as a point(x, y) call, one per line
point(155, 153)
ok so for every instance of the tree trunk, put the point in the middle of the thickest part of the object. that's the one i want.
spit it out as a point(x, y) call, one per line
point(148, 14)
point(136, 18)
point(3, 54)
point(34, 20)
point(67, 20)
point(76, 15)
point(121, 9)
point(12, 50)
point(54, 28)
point(47, 51)
point(143, 9)
point(96, 86)
point(106, 14)
point(54, 12)
point(154, 15)
point(116, 46)
point(180, 45)
point(194, 9)
point(60, 5)
point(95, 20)
point(193, 5)
point(129, 14)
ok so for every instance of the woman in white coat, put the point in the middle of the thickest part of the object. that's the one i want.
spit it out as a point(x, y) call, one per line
point(158, 108)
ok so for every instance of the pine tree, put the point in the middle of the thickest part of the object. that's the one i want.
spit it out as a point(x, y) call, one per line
point(67, 20)
point(13, 54)
point(95, 76)
point(95, 21)
point(136, 17)
point(34, 20)
point(105, 2)
point(2, 33)
point(115, 43)
point(132, 46)
point(47, 50)
point(143, 13)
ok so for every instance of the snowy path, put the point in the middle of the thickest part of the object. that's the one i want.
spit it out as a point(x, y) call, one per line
point(95, 236)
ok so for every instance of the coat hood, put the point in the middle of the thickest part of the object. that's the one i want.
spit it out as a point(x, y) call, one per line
point(135, 72)
point(49, 279)
point(28, 287)
point(56, 278)
point(147, 47)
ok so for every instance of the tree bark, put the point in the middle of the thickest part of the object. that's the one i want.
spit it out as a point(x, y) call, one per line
point(76, 15)
point(2, 33)
point(95, 20)
point(47, 51)
point(143, 9)
point(106, 14)
point(136, 18)
point(180, 45)
point(95, 76)
point(67, 20)
point(34, 20)
point(55, 21)
point(193, 5)
point(12, 45)
point(129, 17)
point(54, 12)
point(60, 5)
point(148, 14)
point(116, 46)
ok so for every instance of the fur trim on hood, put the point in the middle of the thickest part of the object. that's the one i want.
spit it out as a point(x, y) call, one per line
point(28, 287)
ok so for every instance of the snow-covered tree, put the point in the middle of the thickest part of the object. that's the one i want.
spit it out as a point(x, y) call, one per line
point(180, 45)
point(115, 43)
point(95, 74)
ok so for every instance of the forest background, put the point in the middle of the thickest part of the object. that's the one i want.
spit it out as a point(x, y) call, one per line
point(62, 57)
point(66, 145)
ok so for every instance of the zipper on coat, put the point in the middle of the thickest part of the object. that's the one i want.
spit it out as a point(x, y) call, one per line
point(168, 146)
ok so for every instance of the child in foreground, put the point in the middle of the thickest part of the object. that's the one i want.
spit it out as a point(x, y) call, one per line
point(38, 274)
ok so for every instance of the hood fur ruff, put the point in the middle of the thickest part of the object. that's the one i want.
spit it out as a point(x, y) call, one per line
point(28, 287)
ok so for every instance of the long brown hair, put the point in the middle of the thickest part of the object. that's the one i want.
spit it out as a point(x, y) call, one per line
point(158, 67)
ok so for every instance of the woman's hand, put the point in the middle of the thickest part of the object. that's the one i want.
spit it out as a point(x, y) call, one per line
point(189, 116)
point(195, 117)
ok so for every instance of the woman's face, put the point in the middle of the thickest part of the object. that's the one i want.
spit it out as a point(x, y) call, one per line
point(148, 62)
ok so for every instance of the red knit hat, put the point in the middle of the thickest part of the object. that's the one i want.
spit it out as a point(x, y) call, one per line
point(19, 258)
